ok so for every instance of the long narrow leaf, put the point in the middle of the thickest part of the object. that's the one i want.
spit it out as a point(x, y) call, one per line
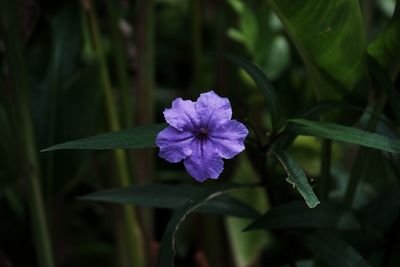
point(334, 251)
point(138, 137)
point(172, 197)
point(297, 178)
point(345, 134)
point(263, 84)
point(298, 215)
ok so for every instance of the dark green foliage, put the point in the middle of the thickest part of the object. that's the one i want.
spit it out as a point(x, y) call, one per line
point(298, 215)
point(172, 197)
point(77, 70)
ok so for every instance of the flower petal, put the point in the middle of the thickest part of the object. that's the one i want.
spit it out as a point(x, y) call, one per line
point(228, 138)
point(182, 115)
point(204, 162)
point(174, 145)
point(212, 108)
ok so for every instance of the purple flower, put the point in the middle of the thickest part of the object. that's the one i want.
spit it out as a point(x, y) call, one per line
point(201, 134)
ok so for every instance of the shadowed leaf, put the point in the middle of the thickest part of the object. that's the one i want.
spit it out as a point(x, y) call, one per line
point(385, 48)
point(298, 215)
point(172, 197)
point(263, 84)
point(138, 137)
point(334, 251)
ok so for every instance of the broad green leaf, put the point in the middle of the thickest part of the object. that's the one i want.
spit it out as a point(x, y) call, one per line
point(298, 215)
point(330, 39)
point(172, 197)
point(134, 138)
point(297, 178)
point(345, 134)
point(263, 84)
point(334, 251)
point(167, 251)
point(385, 48)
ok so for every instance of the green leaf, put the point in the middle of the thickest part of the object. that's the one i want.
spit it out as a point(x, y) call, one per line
point(298, 215)
point(247, 23)
point(297, 178)
point(134, 138)
point(172, 197)
point(334, 251)
point(345, 134)
point(385, 48)
point(167, 251)
point(329, 37)
point(315, 112)
point(263, 84)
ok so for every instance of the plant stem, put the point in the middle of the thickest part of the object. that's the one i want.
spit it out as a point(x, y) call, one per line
point(119, 58)
point(197, 40)
point(326, 151)
point(361, 158)
point(133, 235)
point(30, 167)
point(145, 89)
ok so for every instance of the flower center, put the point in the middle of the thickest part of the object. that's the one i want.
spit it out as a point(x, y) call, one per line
point(202, 133)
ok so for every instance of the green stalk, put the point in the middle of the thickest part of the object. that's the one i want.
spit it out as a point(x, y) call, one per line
point(145, 58)
point(119, 58)
point(144, 101)
point(29, 162)
point(361, 158)
point(197, 39)
point(326, 152)
point(133, 235)
point(52, 111)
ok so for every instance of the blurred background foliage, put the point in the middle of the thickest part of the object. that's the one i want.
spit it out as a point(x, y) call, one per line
point(71, 69)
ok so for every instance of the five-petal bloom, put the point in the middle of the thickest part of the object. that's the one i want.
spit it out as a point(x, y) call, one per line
point(201, 134)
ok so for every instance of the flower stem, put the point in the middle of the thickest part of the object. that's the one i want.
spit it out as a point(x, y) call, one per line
point(133, 236)
point(326, 151)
